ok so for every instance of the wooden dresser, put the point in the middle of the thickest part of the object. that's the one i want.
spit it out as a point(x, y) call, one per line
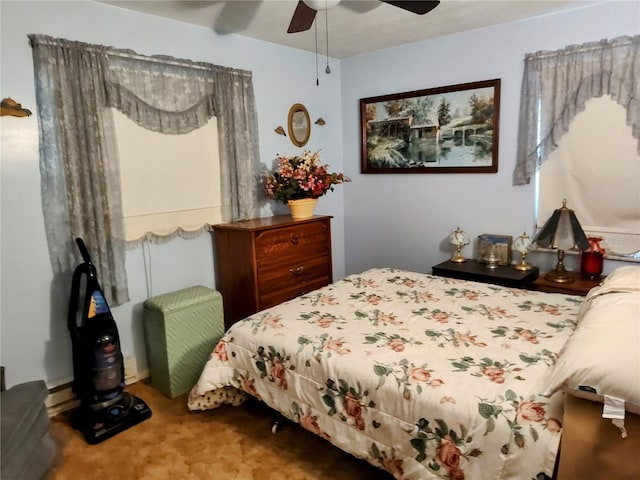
point(266, 261)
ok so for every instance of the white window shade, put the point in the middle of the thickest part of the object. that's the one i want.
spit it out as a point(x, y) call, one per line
point(170, 183)
point(596, 167)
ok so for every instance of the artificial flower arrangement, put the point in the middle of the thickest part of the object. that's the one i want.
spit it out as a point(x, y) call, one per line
point(300, 177)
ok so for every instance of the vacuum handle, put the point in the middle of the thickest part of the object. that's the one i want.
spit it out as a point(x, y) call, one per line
point(83, 250)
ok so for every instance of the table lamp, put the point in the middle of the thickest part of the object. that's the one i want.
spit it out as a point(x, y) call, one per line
point(521, 245)
point(459, 239)
point(562, 232)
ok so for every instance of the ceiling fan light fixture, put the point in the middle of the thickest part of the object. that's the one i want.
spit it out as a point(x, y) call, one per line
point(305, 12)
point(321, 4)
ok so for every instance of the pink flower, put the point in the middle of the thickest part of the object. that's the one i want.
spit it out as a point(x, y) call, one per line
point(528, 336)
point(278, 371)
point(494, 373)
point(248, 385)
point(554, 425)
point(419, 374)
point(449, 456)
point(272, 321)
point(392, 319)
point(300, 177)
point(328, 300)
point(441, 317)
point(393, 466)
point(530, 412)
point(325, 322)
point(311, 423)
point(550, 309)
point(500, 312)
point(353, 409)
point(427, 297)
point(221, 351)
point(465, 337)
point(374, 299)
point(397, 345)
point(333, 344)
point(337, 346)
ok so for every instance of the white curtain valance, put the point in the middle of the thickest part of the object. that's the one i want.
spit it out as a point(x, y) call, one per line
point(556, 85)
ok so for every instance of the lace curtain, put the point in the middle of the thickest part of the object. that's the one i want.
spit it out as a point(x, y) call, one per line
point(556, 85)
point(76, 84)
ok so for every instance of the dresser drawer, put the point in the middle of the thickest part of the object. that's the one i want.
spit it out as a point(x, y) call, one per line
point(291, 273)
point(282, 295)
point(296, 241)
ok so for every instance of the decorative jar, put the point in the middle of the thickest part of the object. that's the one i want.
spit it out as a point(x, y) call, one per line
point(592, 259)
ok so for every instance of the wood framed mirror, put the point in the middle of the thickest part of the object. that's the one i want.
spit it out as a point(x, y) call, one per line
point(299, 125)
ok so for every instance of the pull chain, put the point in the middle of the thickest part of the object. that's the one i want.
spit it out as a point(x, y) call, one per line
point(326, 22)
point(315, 28)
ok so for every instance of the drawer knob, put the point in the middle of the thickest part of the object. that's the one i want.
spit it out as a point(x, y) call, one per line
point(295, 239)
point(296, 271)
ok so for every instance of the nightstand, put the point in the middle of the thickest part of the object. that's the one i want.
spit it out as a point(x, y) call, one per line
point(473, 270)
point(579, 286)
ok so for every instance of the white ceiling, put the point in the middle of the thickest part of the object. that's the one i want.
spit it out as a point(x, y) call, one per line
point(355, 26)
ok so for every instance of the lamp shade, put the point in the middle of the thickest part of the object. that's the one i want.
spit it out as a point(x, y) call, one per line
point(562, 231)
point(459, 237)
point(522, 243)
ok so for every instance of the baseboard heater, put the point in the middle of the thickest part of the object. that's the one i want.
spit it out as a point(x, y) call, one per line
point(61, 398)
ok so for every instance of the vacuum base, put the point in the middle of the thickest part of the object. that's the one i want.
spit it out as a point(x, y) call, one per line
point(99, 425)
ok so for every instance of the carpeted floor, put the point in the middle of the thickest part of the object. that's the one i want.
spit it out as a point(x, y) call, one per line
point(222, 444)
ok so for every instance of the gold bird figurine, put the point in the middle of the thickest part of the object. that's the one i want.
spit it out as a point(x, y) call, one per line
point(9, 106)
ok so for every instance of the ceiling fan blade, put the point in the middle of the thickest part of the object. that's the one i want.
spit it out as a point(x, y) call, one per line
point(302, 18)
point(419, 7)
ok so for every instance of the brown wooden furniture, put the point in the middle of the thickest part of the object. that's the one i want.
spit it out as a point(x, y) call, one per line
point(579, 286)
point(478, 272)
point(591, 447)
point(266, 261)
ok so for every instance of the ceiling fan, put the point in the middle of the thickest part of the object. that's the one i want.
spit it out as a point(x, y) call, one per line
point(304, 14)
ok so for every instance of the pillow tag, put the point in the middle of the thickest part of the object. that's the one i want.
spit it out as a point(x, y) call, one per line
point(614, 409)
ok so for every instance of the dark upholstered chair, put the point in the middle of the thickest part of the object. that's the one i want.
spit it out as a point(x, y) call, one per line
point(27, 450)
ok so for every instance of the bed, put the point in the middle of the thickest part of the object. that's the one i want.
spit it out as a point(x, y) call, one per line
point(598, 371)
point(423, 376)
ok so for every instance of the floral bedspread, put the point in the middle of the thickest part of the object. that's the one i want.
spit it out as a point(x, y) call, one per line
point(426, 377)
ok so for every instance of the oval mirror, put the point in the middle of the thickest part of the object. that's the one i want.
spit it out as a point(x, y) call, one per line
point(299, 125)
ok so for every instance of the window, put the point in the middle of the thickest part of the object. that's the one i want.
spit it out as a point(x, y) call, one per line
point(579, 136)
point(76, 83)
point(168, 181)
point(596, 167)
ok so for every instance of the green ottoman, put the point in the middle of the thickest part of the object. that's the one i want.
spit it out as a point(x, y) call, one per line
point(181, 330)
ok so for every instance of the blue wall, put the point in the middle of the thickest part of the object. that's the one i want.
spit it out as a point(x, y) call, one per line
point(404, 219)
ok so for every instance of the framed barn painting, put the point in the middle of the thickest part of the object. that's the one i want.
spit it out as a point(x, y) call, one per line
point(452, 129)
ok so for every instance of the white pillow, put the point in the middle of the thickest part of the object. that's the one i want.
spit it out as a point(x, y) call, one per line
point(622, 279)
point(603, 353)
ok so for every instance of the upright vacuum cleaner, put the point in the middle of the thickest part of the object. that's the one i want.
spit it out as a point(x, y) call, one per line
point(98, 366)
